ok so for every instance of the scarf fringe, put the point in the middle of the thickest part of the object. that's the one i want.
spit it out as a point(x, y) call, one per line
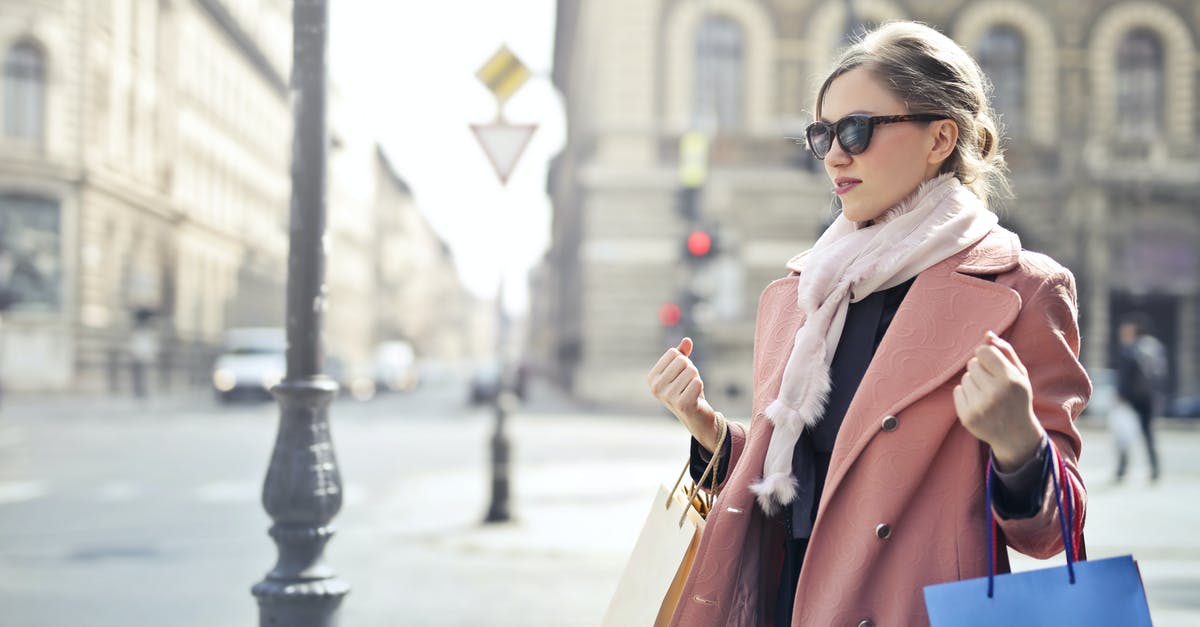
point(775, 490)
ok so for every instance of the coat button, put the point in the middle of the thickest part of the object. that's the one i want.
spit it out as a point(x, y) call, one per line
point(890, 423)
point(883, 531)
point(866, 623)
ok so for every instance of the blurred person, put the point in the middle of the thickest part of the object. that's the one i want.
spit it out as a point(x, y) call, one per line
point(1141, 378)
point(143, 351)
point(914, 347)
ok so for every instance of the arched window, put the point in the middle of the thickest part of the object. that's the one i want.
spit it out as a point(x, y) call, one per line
point(30, 262)
point(1140, 86)
point(24, 92)
point(718, 100)
point(1001, 55)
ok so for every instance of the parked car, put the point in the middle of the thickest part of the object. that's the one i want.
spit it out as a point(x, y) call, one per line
point(1184, 407)
point(396, 366)
point(485, 382)
point(252, 361)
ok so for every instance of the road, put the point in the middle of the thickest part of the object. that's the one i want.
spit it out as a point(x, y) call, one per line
point(118, 513)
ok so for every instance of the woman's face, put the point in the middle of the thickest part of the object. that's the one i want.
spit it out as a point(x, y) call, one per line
point(897, 160)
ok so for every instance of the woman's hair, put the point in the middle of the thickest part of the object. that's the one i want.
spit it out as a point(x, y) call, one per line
point(931, 74)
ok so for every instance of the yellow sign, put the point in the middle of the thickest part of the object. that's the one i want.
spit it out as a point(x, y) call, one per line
point(503, 74)
point(693, 159)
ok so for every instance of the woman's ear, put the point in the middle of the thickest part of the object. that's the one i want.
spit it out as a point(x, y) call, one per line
point(945, 137)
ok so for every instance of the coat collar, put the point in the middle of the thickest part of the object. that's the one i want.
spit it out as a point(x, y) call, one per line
point(997, 252)
point(935, 332)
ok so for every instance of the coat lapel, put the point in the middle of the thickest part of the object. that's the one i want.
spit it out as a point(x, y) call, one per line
point(934, 334)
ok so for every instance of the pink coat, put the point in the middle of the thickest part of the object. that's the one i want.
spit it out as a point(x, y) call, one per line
point(901, 458)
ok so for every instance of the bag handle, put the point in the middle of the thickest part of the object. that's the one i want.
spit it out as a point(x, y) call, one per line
point(713, 463)
point(1057, 470)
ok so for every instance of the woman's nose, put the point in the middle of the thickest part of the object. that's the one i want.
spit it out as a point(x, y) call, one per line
point(836, 154)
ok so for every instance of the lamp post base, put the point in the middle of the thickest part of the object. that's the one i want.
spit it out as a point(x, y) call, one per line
point(300, 604)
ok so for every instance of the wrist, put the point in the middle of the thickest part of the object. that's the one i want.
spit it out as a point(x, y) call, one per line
point(710, 434)
point(1010, 458)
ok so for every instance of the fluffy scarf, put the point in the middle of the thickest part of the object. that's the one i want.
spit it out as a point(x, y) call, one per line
point(849, 262)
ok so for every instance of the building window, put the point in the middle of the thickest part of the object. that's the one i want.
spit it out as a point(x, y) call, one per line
point(717, 102)
point(24, 92)
point(1002, 57)
point(30, 258)
point(1140, 86)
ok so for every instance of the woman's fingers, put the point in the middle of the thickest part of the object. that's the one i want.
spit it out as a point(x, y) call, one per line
point(1007, 351)
point(684, 349)
point(691, 393)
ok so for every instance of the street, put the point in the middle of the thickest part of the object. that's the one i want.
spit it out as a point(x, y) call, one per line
point(118, 513)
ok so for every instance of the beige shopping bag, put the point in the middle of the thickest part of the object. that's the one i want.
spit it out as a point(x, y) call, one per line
point(662, 557)
point(659, 563)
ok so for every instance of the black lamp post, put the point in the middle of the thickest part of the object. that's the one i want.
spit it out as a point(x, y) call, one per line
point(303, 489)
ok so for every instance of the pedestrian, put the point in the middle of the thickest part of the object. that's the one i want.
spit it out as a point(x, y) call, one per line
point(912, 348)
point(1141, 379)
point(143, 351)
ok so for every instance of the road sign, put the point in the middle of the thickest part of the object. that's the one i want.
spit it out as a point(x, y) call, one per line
point(503, 74)
point(503, 143)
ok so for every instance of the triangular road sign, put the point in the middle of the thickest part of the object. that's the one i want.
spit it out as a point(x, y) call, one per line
point(503, 144)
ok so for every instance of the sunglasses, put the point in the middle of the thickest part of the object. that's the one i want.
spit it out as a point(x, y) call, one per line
point(853, 132)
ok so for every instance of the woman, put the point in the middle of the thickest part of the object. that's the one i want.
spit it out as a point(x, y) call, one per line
point(912, 345)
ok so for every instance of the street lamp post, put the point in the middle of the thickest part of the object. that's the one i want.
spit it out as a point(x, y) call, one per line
point(303, 489)
point(502, 405)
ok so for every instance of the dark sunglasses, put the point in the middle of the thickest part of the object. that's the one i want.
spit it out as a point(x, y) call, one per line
point(853, 132)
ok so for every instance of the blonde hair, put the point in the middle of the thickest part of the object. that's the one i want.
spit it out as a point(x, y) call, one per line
point(931, 73)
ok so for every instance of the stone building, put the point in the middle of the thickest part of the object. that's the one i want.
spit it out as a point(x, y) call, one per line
point(1099, 104)
point(145, 144)
point(144, 179)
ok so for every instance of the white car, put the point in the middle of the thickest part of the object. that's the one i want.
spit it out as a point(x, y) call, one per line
point(251, 363)
point(396, 366)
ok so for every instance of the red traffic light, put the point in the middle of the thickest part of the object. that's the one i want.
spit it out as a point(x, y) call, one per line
point(669, 314)
point(699, 243)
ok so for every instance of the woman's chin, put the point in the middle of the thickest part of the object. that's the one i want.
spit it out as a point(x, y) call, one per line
point(860, 214)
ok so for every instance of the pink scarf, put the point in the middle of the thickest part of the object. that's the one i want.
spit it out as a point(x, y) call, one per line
point(849, 262)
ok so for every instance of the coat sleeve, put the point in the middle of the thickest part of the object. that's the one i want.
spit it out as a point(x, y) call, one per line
point(1046, 338)
point(700, 457)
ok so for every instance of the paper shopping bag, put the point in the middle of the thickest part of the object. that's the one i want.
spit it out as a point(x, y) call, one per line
point(649, 587)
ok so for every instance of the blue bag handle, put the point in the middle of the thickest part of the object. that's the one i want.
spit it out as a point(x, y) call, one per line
point(1056, 464)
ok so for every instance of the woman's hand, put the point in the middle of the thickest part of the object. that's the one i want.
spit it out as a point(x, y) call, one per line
point(994, 402)
point(676, 383)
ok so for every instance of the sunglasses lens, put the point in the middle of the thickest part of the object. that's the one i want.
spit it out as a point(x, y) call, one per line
point(853, 134)
point(820, 139)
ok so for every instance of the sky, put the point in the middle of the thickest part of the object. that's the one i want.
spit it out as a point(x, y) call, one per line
point(409, 66)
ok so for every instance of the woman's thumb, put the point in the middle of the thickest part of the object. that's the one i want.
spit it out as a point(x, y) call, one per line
point(685, 346)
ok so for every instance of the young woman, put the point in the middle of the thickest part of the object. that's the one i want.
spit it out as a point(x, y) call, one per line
point(914, 344)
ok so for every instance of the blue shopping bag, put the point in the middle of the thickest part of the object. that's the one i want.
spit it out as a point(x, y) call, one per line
point(1096, 593)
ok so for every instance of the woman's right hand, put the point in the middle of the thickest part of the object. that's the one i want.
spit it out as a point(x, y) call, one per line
point(676, 383)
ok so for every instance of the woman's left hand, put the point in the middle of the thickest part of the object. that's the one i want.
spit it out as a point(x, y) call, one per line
point(994, 402)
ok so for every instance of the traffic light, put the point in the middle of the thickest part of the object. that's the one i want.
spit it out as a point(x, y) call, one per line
point(699, 243)
point(669, 314)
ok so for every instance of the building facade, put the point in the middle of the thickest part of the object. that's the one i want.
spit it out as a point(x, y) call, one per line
point(1098, 101)
point(144, 180)
point(145, 144)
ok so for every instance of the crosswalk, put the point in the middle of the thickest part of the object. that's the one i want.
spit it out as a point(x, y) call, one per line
point(19, 491)
point(15, 492)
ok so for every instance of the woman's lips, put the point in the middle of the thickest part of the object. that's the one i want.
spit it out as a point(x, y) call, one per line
point(845, 185)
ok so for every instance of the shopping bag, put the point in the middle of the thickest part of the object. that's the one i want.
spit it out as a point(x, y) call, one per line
point(1123, 424)
point(1096, 593)
point(659, 564)
point(662, 557)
